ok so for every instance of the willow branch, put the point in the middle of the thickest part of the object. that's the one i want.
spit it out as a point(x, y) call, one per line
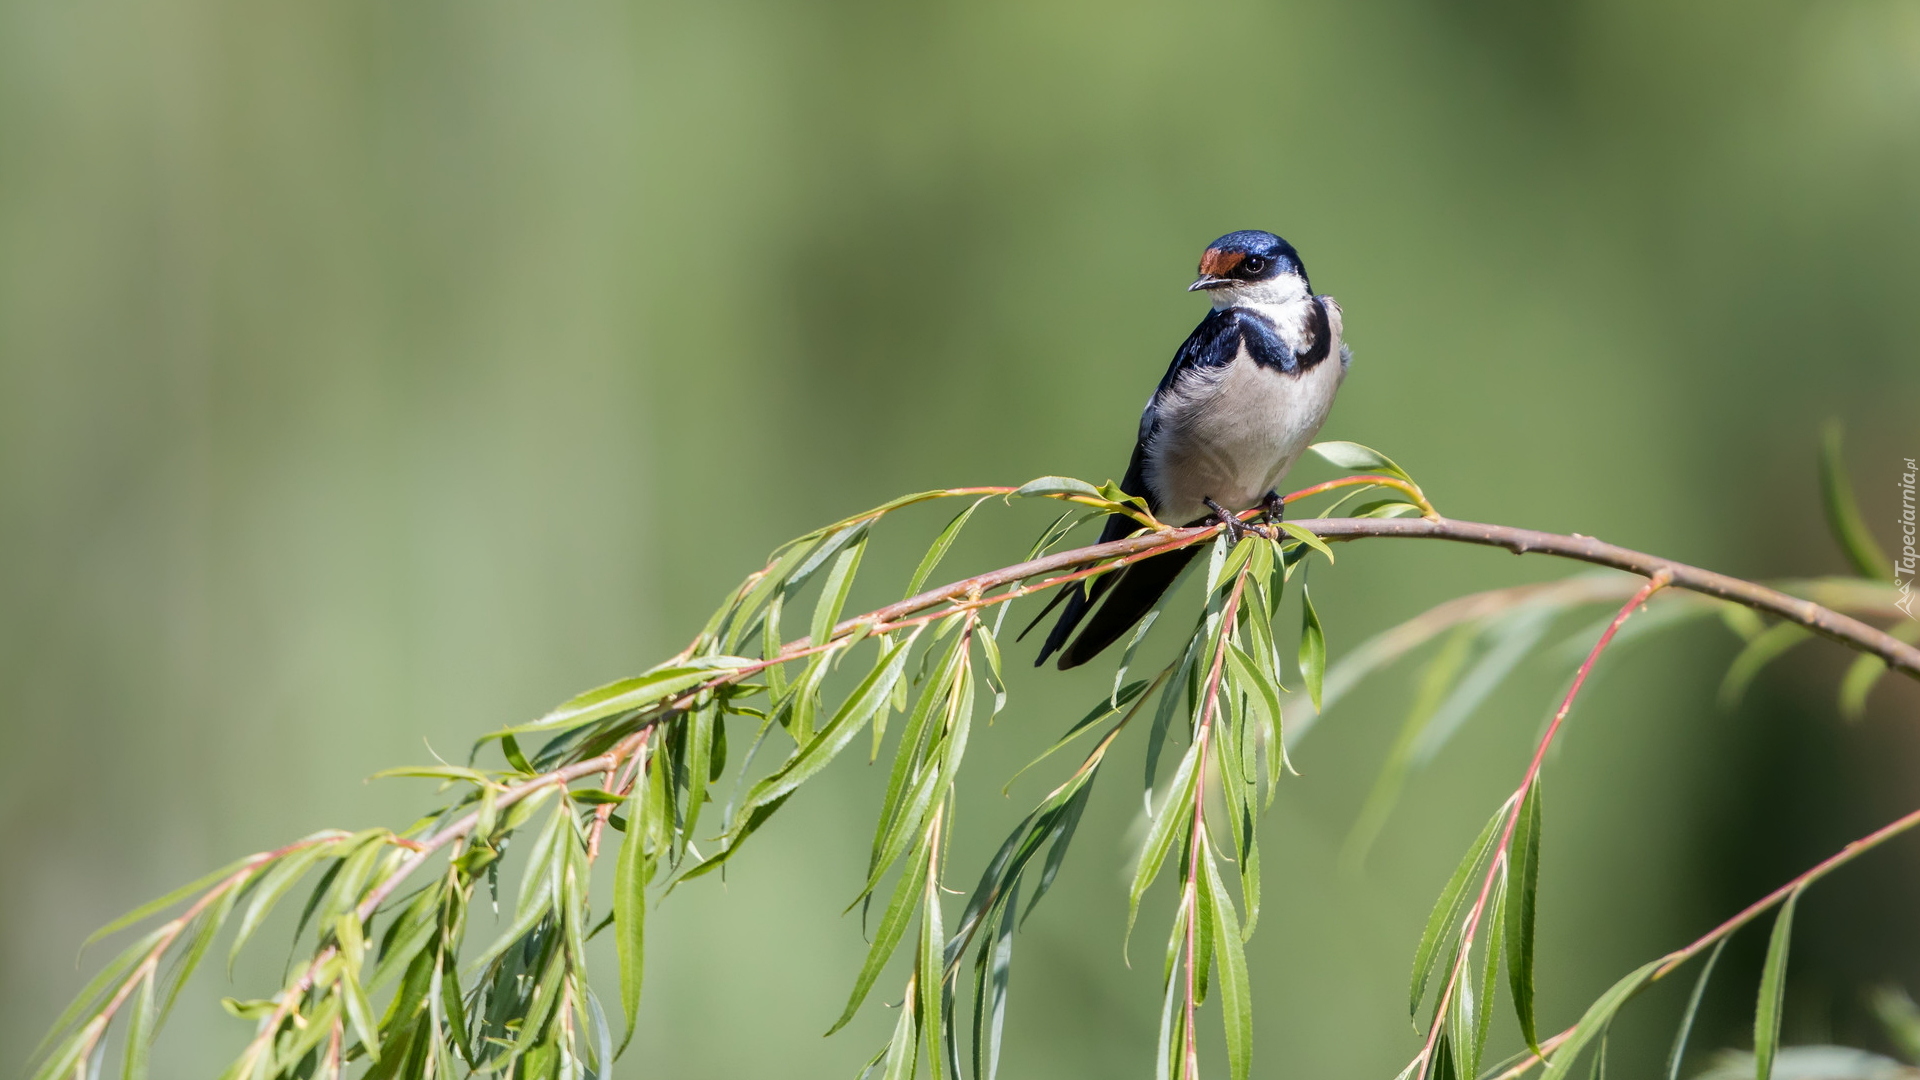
point(1102, 557)
point(1753, 911)
point(1095, 559)
point(1517, 803)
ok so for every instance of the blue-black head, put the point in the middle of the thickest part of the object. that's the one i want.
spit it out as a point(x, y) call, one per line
point(1247, 257)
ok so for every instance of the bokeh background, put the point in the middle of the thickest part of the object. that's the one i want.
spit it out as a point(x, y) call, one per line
point(372, 375)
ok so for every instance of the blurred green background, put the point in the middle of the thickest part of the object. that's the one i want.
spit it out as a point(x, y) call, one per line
point(373, 375)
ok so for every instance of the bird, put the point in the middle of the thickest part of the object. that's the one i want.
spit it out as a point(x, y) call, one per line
point(1246, 393)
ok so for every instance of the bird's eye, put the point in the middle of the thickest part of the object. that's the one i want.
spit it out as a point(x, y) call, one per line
point(1254, 264)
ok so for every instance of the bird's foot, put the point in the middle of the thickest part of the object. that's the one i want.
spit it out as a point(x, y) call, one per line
point(1231, 522)
point(1273, 511)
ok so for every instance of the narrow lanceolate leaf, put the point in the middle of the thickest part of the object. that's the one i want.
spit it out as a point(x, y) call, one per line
point(272, 888)
point(833, 594)
point(1523, 860)
point(901, 1052)
point(1862, 675)
point(1773, 991)
point(1493, 927)
point(1313, 647)
point(1236, 998)
point(1843, 513)
point(1175, 810)
point(702, 726)
point(152, 907)
point(1596, 1019)
point(1462, 1018)
point(868, 698)
point(1866, 671)
point(89, 996)
point(1679, 1052)
point(1306, 536)
point(1759, 652)
point(993, 971)
point(1446, 912)
point(1055, 485)
point(630, 874)
point(1444, 1066)
point(941, 545)
point(140, 1031)
point(886, 936)
point(637, 692)
point(1264, 695)
point(932, 985)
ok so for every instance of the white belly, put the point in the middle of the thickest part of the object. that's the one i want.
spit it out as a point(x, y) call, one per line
point(1233, 434)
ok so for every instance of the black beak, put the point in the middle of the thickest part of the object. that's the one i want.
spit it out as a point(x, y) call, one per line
point(1208, 281)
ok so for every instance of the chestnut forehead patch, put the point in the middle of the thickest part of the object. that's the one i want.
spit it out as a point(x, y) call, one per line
point(1218, 263)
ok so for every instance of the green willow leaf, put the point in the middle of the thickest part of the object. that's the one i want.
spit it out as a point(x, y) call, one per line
point(867, 699)
point(209, 925)
point(1354, 457)
point(89, 996)
point(1444, 1067)
point(637, 692)
point(702, 727)
point(1678, 1054)
point(1119, 702)
point(1446, 911)
point(1462, 1017)
point(887, 935)
point(1385, 508)
point(272, 888)
point(1059, 837)
point(904, 794)
point(1055, 485)
point(141, 1024)
point(1773, 990)
point(1865, 673)
point(1862, 675)
point(903, 1049)
point(1175, 810)
point(1759, 652)
point(1493, 925)
point(1305, 536)
point(833, 594)
point(941, 545)
point(1843, 513)
point(1236, 999)
point(1313, 647)
point(510, 749)
point(1523, 861)
point(151, 907)
point(1596, 1019)
point(630, 875)
point(928, 976)
point(992, 971)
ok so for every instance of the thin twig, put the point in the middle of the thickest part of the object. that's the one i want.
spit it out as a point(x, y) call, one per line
point(1516, 803)
point(1190, 1065)
point(1752, 911)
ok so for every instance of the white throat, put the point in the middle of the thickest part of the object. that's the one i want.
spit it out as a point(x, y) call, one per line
point(1274, 292)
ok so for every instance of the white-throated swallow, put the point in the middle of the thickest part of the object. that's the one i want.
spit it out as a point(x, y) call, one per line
point(1245, 394)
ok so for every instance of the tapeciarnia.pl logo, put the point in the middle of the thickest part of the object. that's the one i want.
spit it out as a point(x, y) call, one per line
point(1904, 565)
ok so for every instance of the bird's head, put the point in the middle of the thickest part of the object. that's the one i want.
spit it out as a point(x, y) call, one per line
point(1252, 266)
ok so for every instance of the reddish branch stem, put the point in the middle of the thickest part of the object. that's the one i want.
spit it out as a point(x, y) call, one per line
point(1228, 612)
point(1517, 802)
point(1080, 563)
point(1752, 911)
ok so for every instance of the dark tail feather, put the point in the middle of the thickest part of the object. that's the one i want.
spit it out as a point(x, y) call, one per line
point(1078, 596)
point(1133, 593)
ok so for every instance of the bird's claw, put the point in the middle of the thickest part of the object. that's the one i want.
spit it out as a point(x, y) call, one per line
point(1235, 528)
point(1273, 511)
